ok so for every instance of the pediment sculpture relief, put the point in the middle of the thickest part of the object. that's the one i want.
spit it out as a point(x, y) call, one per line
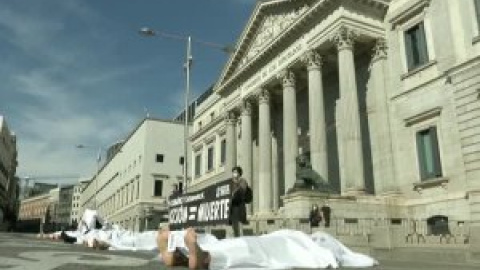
point(271, 27)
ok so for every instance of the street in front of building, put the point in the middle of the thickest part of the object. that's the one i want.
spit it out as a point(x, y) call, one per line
point(24, 251)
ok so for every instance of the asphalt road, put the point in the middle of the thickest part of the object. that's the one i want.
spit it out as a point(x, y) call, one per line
point(25, 252)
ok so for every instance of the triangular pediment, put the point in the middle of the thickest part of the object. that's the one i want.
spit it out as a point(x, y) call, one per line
point(269, 20)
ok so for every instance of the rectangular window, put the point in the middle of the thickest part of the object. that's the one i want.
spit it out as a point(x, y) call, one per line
point(428, 154)
point(160, 158)
point(158, 188)
point(477, 11)
point(181, 161)
point(416, 46)
point(223, 151)
point(210, 158)
point(198, 164)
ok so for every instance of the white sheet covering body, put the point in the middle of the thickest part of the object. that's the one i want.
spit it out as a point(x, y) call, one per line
point(283, 249)
point(126, 240)
point(89, 220)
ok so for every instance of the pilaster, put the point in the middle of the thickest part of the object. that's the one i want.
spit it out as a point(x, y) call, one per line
point(379, 122)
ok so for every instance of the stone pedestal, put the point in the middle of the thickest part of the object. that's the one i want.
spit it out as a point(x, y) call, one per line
point(297, 203)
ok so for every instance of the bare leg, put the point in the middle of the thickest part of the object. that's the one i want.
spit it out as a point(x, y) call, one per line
point(162, 244)
point(197, 258)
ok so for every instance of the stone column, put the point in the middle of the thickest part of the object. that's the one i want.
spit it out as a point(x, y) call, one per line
point(316, 106)
point(349, 117)
point(246, 142)
point(290, 136)
point(275, 174)
point(265, 153)
point(246, 121)
point(231, 155)
point(379, 122)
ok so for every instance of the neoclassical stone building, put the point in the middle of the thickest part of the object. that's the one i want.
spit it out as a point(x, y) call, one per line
point(384, 95)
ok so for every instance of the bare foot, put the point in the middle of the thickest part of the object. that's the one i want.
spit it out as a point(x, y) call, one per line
point(162, 244)
point(197, 258)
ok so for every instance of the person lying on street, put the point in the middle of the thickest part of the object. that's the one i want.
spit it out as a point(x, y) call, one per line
point(283, 249)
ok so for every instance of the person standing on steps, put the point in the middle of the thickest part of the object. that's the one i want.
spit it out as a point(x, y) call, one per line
point(237, 210)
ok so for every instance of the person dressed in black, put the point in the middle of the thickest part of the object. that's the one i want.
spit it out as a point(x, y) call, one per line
point(326, 211)
point(237, 210)
point(315, 216)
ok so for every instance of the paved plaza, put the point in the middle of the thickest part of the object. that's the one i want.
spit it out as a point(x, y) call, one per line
point(25, 252)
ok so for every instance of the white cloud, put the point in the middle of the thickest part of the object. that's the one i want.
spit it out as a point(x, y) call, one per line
point(57, 123)
point(55, 114)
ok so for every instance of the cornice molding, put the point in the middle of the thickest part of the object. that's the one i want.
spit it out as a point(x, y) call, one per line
point(407, 11)
point(425, 115)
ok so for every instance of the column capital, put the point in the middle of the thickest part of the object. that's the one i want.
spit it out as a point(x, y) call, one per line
point(263, 96)
point(246, 107)
point(344, 38)
point(380, 50)
point(288, 78)
point(312, 59)
point(230, 118)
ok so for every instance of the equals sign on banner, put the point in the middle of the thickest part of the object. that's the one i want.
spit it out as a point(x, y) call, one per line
point(192, 210)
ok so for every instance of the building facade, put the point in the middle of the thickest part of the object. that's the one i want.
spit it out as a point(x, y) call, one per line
point(34, 208)
point(76, 213)
point(60, 207)
point(9, 183)
point(382, 95)
point(132, 188)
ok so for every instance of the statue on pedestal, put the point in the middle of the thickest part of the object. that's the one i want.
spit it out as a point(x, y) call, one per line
point(307, 178)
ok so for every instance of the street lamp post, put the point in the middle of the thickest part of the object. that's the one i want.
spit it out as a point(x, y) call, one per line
point(99, 156)
point(187, 66)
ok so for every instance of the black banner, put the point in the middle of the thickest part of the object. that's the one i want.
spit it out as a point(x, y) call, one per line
point(205, 207)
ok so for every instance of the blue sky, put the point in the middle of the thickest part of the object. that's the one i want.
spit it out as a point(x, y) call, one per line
point(77, 71)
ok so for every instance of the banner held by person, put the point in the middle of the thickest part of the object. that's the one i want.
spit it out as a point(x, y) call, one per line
point(208, 206)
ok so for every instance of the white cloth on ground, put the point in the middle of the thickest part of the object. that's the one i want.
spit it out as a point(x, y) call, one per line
point(89, 220)
point(126, 240)
point(283, 249)
point(345, 256)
